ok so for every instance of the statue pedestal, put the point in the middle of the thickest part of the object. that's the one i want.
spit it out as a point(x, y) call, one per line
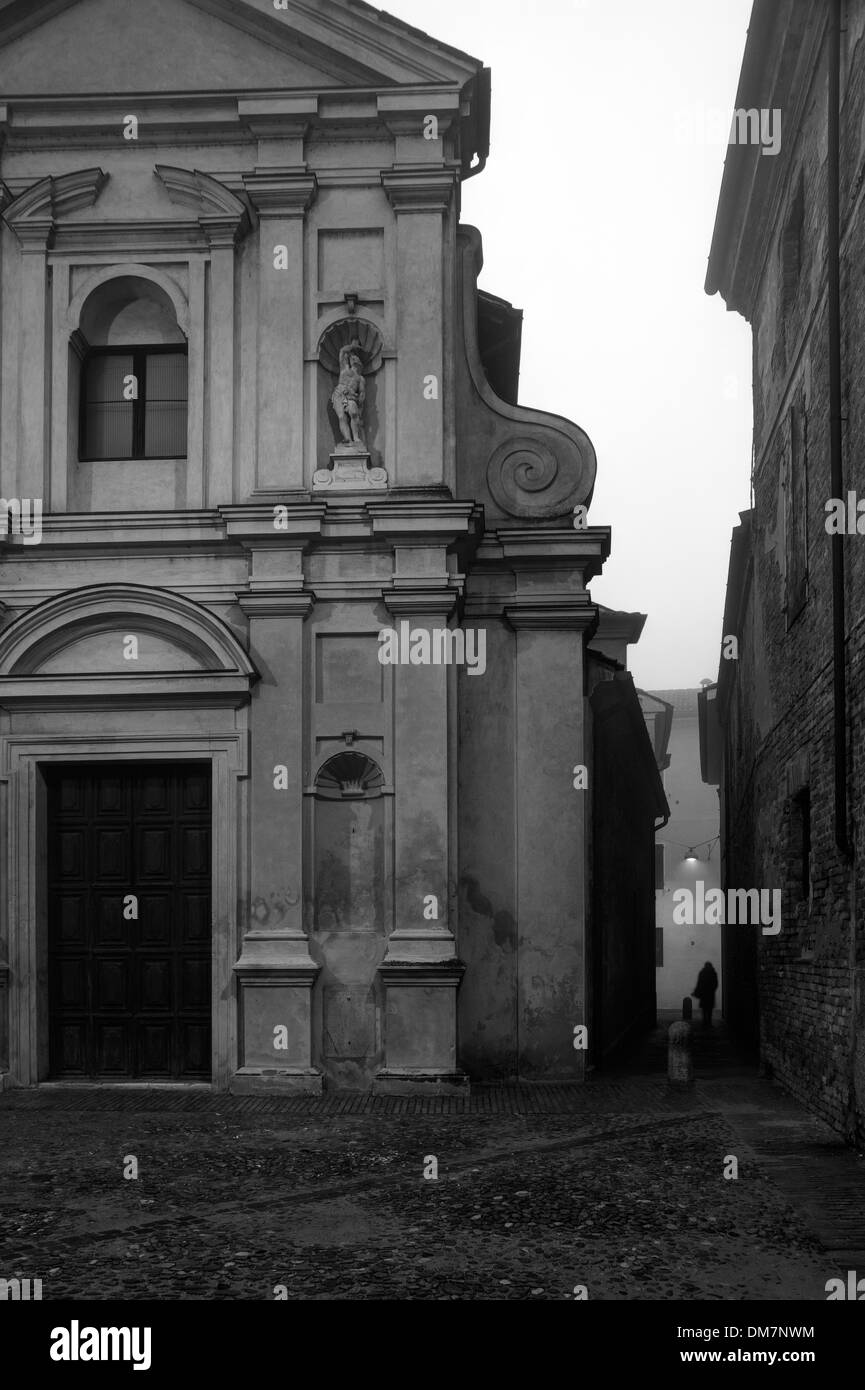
point(349, 471)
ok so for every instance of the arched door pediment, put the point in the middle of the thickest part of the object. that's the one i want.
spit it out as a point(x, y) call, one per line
point(128, 638)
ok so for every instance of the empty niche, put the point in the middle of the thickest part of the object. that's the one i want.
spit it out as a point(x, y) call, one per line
point(349, 845)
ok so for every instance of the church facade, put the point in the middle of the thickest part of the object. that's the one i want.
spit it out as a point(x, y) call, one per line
point(304, 700)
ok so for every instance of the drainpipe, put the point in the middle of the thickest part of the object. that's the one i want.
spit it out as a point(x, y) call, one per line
point(833, 184)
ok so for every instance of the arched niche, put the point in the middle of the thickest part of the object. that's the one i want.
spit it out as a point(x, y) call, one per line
point(349, 849)
point(123, 285)
point(129, 310)
point(335, 336)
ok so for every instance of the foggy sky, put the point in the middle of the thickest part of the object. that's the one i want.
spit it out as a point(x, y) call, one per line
point(596, 207)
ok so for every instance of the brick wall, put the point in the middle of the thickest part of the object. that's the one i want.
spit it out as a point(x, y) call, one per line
point(779, 719)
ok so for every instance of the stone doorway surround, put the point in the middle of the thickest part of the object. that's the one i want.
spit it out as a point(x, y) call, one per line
point(25, 815)
point(194, 715)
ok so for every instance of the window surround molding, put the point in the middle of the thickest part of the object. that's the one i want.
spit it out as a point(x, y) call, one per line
point(210, 221)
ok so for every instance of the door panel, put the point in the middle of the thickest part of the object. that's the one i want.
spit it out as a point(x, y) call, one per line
point(129, 996)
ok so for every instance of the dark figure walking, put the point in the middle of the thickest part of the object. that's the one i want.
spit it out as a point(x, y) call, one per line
point(704, 990)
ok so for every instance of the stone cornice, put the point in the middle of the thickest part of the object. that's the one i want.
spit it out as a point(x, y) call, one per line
point(781, 56)
point(160, 236)
point(424, 518)
point(420, 972)
point(253, 523)
point(90, 120)
point(405, 113)
point(549, 549)
point(221, 215)
point(114, 691)
point(272, 971)
point(276, 603)
point(419, 188)
point(279, 118)
point(552, 613)
point(56, 197)
point(35, 235)
point(33, 214)
point(281, 192)
point(615, 625)
point(419, 602)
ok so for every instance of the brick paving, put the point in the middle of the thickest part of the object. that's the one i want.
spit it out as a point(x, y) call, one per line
point(616, 1185)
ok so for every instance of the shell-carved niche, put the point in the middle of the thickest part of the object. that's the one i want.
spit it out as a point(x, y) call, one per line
point(349, 775)
point(367, 360)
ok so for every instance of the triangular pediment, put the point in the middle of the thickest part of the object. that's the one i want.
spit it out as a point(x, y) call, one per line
point(77, 47)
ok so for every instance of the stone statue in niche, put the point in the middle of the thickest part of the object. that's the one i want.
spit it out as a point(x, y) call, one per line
point(351, 351)
point(350, 395)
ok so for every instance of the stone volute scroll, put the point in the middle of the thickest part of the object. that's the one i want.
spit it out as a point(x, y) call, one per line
point(531, 465)
point(350, 352)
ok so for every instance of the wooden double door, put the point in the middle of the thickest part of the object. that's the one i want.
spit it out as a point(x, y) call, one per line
point(129, 928)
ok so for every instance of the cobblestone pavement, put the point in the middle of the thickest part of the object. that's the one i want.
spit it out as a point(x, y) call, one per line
point(616, 1185)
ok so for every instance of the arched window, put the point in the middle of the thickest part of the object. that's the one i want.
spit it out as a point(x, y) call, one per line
point(133, 393)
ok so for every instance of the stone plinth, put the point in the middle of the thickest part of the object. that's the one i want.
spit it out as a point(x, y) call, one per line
point(349, 471)
point(275, 975)
point(420, 1028)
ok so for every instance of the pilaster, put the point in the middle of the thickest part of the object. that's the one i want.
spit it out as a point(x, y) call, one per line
point(219, 474)
point(276, 972)
point(222, 218)
point(551, 826)
point(420, 196)
point(33, 216)
point(421, 971)
point(281, 197)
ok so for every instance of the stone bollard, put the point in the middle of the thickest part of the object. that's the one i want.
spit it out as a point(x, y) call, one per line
point(687, 1008)
point(680, 1061)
